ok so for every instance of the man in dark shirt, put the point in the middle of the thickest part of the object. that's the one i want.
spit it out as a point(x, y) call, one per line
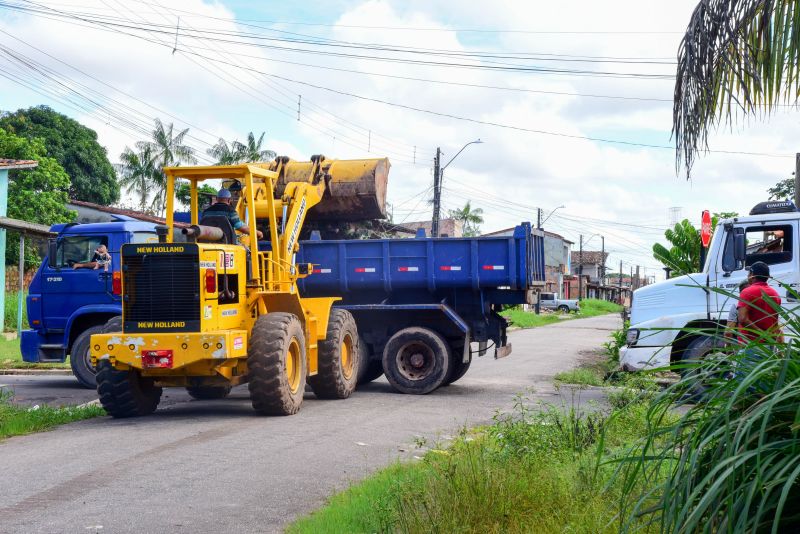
point(222, 207)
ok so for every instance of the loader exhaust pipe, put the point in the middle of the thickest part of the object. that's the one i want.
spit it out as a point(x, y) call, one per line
point(204, 234)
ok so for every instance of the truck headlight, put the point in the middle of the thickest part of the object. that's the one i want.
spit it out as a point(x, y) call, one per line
point(632, 336)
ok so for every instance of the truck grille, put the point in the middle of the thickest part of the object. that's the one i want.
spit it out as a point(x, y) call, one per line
point(162, 292)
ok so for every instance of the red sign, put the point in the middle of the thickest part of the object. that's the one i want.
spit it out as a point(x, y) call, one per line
point(705, 228)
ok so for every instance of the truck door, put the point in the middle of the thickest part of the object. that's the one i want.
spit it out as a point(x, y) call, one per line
point(65, 288)
point(772, 242)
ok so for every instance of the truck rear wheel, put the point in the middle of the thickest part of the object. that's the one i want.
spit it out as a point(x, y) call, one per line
point(563, 308)
point(80, 358)
point(276, 360)
point(338, 358)
point(208, 392)
point(125, 393)
point(416, 360)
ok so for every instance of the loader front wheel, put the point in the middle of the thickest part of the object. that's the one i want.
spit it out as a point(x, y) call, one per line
point(125, 393)
point(338, 358)
point(416, 360)
point(208, 392)
point(276, 360)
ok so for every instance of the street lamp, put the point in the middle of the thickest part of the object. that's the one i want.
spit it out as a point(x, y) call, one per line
point(438, 174)
point(551, 214)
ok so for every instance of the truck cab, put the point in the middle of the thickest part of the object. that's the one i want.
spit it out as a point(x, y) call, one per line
point(668, 319)
point(68, 301)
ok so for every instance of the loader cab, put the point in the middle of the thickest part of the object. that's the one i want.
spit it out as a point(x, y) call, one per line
point(770, 235)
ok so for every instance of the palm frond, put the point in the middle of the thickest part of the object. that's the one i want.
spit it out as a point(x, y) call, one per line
point(737, 58)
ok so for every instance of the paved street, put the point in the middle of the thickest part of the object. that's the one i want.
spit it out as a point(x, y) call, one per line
point(214, 466)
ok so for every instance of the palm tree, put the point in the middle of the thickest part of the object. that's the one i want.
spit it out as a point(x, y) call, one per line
point(469, 217)
point(252, 151)
point(168, 150)
point(223, 153)
point(683, 256)
point(738, 57)
point(138, 171)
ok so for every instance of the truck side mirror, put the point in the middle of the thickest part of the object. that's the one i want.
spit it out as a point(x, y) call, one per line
point(735, 250)
point(52, 251)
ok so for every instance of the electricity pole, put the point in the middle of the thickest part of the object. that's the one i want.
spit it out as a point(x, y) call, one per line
point(437, 193)
point(797, 179)
point(619, 282)
point(539, 218)
point(580, 270)
point(603, 260)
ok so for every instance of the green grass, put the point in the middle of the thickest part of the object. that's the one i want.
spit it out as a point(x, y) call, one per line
point(18, 420)
point(11, 357)
point(10, 316)
point(536, 469)
point(581, 376)
point(589, 308)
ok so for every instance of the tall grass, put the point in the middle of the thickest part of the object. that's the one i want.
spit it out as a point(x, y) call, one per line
point(731, 462)
point(10, 312)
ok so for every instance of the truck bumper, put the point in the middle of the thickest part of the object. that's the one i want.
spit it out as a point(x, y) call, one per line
point(181, 353)
point(643, 358)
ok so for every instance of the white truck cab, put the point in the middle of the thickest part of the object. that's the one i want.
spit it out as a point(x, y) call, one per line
point(666, 318)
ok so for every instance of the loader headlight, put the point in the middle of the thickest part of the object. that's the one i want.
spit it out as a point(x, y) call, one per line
point(632, 336)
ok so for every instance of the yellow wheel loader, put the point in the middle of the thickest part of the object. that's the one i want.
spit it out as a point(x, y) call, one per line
point(207, 310)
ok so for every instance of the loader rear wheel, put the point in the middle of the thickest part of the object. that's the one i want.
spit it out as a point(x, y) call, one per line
point(416, 360)
point(338, 358)
point(208, 392)
point(125, 393)
point(276, 359)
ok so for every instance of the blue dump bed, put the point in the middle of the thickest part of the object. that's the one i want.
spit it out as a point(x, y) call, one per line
point(358, 269)
point(421, 305)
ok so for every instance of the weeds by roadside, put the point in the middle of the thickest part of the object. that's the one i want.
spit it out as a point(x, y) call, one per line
point(18, 420)
point(528, 319)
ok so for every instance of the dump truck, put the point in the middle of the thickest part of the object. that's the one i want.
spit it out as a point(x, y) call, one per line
point(421, 304)
point(213, 312)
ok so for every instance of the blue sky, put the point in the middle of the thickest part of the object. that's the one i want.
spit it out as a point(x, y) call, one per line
point(621, 192)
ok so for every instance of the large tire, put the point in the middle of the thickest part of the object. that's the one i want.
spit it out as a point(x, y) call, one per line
point(80, 358)
point(416, 360)
point(208, 392)
point(563, 308)
point(276, 360)
point(700, 371)
point(369, 368)
point(124, 393)
point(338, 358)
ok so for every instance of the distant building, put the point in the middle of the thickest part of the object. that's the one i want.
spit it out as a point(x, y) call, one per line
point(447, 227)
point(593, 263)
point(556, 259)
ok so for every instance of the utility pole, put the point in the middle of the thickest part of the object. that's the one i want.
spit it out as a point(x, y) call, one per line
point(580, 269)
point(797, 179)
point(631, 279)
point(603, 260)
point(437, 193)
point(637, 277)
point(619, 282)
point(539, 218)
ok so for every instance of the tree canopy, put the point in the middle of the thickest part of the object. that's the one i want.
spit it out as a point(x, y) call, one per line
point(470, 217)
point(35, 195)
point(238, 152)
point(73, 146)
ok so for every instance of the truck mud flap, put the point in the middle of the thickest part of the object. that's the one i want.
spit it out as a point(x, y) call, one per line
point(502, 352)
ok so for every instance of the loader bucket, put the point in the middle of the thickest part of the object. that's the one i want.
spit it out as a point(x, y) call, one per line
point(356, 191)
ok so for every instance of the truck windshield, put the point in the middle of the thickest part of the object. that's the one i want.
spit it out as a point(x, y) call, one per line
point(77, 249)
point(144, 237)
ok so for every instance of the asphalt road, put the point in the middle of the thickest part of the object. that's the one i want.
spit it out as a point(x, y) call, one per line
point(214, 466)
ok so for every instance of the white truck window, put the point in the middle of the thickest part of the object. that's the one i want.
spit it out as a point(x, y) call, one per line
point(548, 296)
point(771, 244)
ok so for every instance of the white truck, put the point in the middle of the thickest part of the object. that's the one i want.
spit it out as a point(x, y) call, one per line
point(670, 320)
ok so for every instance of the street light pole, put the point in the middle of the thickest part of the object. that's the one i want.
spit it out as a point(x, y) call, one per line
point(438, 175)
point(550, 215)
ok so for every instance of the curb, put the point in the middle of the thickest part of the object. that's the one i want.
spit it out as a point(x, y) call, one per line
point(52, 372)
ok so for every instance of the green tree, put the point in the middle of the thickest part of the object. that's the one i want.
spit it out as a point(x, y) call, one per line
point(470, 217)
point(168, 150)
point(36, 195)
point(783, 190)
point(683, 256)
point(138, 172)
point(73, 146)
point(238, 152)
point(183, 193)
point(737, 58)
point(251, 150)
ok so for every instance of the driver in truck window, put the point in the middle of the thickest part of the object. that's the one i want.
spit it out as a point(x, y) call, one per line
point(101, 258)
point(222, 206)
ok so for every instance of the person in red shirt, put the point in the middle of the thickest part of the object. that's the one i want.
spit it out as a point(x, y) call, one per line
point(758, 307)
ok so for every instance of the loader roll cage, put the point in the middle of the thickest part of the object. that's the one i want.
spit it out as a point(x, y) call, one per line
point(285, 215)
